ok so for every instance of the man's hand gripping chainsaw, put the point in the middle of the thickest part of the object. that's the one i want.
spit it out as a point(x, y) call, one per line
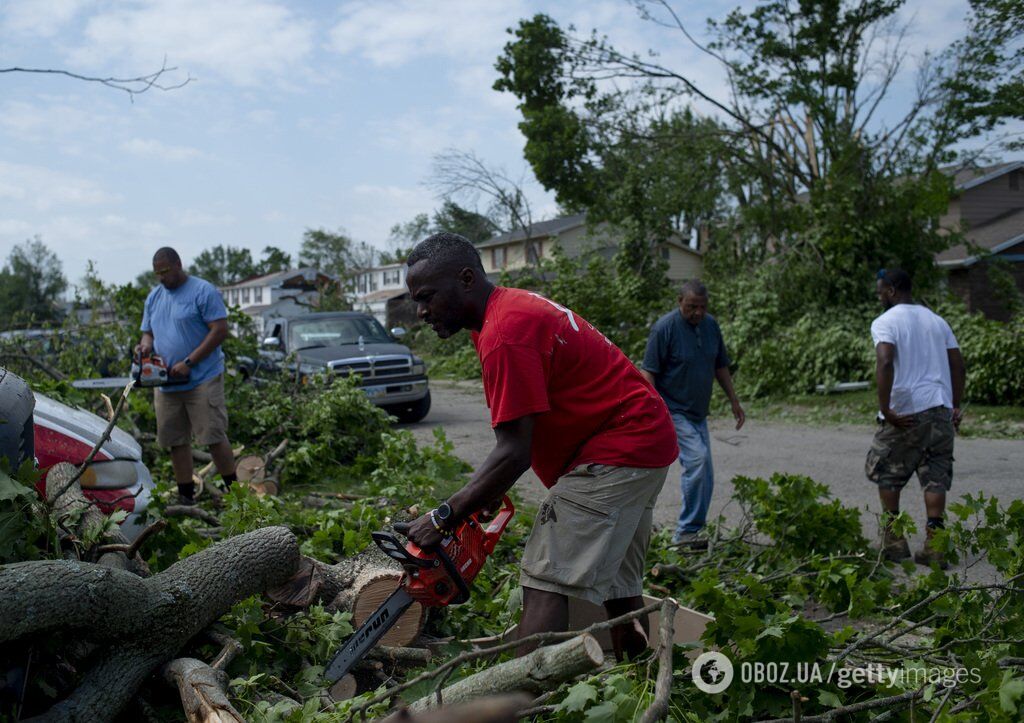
point(434, 578)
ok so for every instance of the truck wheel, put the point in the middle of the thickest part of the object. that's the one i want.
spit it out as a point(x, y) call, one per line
point(413, 411)
point(17, 433)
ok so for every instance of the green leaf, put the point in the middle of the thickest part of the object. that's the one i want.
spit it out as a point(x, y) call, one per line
point(604, 713)
point(578, 697)
point(10, 488)
point(828, 698)
point(1010, 691)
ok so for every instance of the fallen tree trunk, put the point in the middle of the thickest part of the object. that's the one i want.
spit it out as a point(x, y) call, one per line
point(543, 669)
point(203, 691)
point(140, 623)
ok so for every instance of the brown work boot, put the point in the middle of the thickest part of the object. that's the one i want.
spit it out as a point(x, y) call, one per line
point(894, 548)
point(928, 554)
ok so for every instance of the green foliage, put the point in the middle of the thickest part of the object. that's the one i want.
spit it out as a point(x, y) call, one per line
point(993, 353)
point(223, 265)
point(24, 529)
point(31, 285)
point(327, 251)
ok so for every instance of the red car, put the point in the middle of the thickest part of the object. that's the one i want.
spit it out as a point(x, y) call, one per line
point(116, 478)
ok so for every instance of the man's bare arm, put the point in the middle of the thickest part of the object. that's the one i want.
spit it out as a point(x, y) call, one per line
point(218, 332)
point(145, 345)
point(958, 377)
point(725, 380)
point(503, 466)
point(648, 376)
point(885, 372)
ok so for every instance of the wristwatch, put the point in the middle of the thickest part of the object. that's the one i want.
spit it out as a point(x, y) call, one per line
point(188, 362)
point(442, 517)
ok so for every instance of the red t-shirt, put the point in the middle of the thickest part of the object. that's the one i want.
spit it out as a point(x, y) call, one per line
point(591, 403)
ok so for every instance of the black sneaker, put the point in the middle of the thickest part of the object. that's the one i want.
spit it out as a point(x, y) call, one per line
point(186, 500)
point(690, 540)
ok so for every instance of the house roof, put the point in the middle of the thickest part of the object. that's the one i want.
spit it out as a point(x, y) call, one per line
point(541, 229)
point(281, 278)
point(556, 226)
point(997, 235)
point(382, 295)
point(971, 176)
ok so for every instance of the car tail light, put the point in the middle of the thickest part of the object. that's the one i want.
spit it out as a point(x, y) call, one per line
point(108, 475)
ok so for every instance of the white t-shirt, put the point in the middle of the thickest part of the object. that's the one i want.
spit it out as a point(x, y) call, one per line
point(921, 338)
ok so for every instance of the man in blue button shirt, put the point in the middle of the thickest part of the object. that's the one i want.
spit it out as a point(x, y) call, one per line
point(185, 322)
point(685, 354)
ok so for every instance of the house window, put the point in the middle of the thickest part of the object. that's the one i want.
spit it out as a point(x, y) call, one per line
point(362, 283)
point(234, 297)
point(392, 278)
point(664, 252)
point(498, 257)
point(257, 294)
point(245, 295)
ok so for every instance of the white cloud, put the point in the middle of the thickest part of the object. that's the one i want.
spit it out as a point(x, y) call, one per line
point(193, 217)
point(41, 18)
point(43, 189)
point(245, 41)
point(391, 34)
point(153, 148)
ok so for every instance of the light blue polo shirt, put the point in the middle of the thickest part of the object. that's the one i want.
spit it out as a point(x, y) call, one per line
point(178, 319)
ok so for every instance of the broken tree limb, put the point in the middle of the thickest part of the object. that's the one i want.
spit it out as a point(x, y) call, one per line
point(133, 548)
point(400, 656)
point(141, 623)
point(540, 671)
point(203, 691)
point(192, 511)
point(663, 685)
point(230, 648)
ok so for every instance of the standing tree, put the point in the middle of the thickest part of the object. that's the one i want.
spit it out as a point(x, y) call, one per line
point(274, 259)
point(223, 265)
point(31, 284)
point(813, 175)
point(326, 251)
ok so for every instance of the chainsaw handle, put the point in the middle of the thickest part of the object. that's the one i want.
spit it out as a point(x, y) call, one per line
point(455, 575)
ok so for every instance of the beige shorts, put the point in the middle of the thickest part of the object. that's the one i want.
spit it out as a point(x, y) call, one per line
point(201, 412)
point(592, 531)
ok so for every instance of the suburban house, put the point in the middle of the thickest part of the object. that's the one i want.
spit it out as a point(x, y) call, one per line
point(517, 250)
point(381, 291)
point(988, 206)
point(280, 293)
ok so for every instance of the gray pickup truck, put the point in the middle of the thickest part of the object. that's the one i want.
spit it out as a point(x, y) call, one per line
point(344, 343)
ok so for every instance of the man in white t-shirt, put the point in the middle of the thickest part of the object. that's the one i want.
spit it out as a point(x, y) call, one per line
point(920, 376)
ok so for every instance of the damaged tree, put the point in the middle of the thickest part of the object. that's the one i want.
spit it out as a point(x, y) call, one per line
point(111, 606)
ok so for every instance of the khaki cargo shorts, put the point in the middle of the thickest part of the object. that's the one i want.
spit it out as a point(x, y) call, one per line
point(926, 448)
point(201, 412)
point(592, 531)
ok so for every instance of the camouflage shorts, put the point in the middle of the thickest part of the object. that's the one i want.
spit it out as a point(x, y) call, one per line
point(926, 448)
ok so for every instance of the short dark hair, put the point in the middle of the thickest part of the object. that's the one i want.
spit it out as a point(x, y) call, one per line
point(447, 251)
point(166, 252)
point(898, 279)
point(695, 287)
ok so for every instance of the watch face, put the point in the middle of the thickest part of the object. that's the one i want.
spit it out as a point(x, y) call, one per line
point(444, 511)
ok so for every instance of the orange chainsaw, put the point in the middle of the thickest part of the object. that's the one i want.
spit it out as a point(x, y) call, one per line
point(149, 370)
point(434, 578)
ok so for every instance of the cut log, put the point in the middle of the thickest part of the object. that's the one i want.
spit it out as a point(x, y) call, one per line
point(496, 709)
point(139, 623)
point(343, 689)
point(543, 669)
point(357, 585)
point(250, 468)
point(203, 691)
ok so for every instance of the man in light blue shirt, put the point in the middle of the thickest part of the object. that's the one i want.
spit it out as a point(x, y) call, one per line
point(185, 322)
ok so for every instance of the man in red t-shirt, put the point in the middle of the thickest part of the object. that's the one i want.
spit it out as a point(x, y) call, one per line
point(567, 402)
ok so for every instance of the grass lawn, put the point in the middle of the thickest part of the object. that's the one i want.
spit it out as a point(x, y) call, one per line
point(980, 420)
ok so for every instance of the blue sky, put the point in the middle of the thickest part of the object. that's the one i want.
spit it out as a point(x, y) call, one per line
point(301, 114)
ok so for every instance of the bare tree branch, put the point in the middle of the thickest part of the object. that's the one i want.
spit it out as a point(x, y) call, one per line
point(132, 86)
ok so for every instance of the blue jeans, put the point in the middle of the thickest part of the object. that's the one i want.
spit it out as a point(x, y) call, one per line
point(698, 478)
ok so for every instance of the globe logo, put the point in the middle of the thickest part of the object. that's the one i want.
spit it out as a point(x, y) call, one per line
point(712, 672)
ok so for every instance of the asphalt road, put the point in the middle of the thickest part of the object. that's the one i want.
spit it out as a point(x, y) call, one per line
point(832, 455)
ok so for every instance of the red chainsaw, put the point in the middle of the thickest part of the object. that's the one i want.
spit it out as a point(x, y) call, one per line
point(434, 578)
